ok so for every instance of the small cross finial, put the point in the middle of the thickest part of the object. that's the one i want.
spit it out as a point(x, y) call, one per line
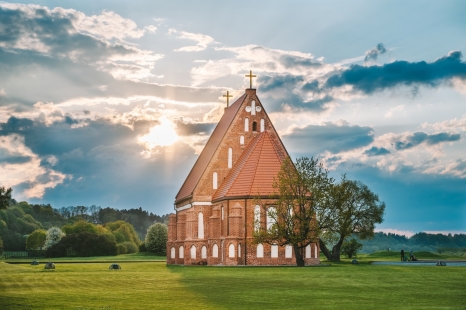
point(228, 97)
point(250, 76)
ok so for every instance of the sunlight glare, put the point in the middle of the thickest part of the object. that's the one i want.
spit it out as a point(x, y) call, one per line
point(163, 134)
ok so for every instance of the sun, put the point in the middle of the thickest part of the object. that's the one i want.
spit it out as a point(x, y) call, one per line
point(163, 134)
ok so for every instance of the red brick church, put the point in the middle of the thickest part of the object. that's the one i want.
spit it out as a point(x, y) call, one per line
point(215, 209)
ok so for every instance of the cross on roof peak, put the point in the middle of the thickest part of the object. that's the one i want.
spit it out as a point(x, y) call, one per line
point(250, 76)
point(228, 97)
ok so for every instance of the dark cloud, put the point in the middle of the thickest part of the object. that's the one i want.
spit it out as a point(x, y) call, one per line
point(376, 151)
point(289, 61)
point(188, 129)
point(329, 137)
point(104, 163)
point(268, 83)
point(422, 137)
point(375, 52)
point(369, 79)
point(311, 87)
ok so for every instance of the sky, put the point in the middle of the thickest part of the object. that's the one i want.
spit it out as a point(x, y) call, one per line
point(109, 103)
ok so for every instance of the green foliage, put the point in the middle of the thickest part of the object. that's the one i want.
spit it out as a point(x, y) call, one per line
point(131, 247)
point(79, 227)
point(54, 235)
point(36, 240)
point(350, 248)
point(142, 247)
point(123, 231)
point(156, 239)
point(15, 225)
point(83, 244)
point(5, 197)
point(121, 249)
point(1, 246)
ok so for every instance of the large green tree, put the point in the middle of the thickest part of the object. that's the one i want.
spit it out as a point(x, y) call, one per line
point(5, 197)
point(350, 207)
point(36, 240)
point(291, 218)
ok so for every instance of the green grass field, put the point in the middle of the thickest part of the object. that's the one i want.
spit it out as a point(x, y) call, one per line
point(153, 285)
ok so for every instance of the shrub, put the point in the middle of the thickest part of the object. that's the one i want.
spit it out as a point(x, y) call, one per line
point(123, 231)
point(350, 248)
point(36, 240)
point(53, 236)
point(121, 248)
point(83, 244)
point(78, 227)
point(131, 247)
point(156, 239)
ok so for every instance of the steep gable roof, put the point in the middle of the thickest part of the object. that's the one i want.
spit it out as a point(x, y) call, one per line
point(207, 153)
point(253, 174)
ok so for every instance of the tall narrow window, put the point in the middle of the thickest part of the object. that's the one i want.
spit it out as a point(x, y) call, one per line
point(288, 251)
point(274, 251)
point(315, 251)
point(241, 140)
point(308, 251)
point(172, 253)
point(215, 250)
point(230, 157)
point(253, 107)
point(257, 218)
point(193, 251)
point(181, 252)
point(222, 213)
point(271, 215)
point(200, 225)
point(214, 180)
point(246, 124)
point(262, 124)
point(260, 251)
point(231, 251)
point(254, 126)
point(239, 250)
point(204, 252)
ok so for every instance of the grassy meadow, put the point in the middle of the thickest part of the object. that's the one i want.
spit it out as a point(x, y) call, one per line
point(153, 285)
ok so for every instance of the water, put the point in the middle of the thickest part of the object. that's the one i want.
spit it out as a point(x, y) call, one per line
point(449, 264)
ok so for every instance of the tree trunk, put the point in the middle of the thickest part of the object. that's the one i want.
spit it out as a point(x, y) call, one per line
point(334, 255)
point(325, 250)
point(299, 257)
point(336, 250)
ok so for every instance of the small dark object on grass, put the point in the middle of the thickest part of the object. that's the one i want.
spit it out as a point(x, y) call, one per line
point(354, 262)
point(114, 266)
point(441, 263)
point(34, 263)
point(49, 266)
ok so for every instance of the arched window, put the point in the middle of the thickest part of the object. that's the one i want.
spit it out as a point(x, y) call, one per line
point(200, 225)
point(288, 251)
point(172, 253)
point(239, 250)
point(241, 140)
point(308, 251)
point(204, 252)
point(215, 180)
point(260, 251)
point(231, 250)
point(271, 215)
point(246, 124)
point(222, 213)
point(315, 251)
point(257, 218)
point(193, 251)
point(230, 157)
point(262, 124)
point(181, 252)
point(253, 107)
point(215, 250)
point(254, 126)
point(274, 251)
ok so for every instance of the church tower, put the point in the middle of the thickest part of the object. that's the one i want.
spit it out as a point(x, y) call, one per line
point(215, 209)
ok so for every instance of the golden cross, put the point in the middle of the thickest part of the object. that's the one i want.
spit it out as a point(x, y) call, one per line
point(250, 76)
point(228, 96)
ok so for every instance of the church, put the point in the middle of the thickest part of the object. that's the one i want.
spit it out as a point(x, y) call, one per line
point(215, 207)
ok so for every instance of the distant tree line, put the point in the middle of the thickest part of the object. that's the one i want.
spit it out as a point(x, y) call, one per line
point(18, 220)
point(418, 242)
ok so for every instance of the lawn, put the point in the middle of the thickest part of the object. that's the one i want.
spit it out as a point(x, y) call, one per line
point(151, 285)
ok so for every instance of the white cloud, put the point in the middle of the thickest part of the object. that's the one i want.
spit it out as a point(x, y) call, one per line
point(19, 165)
point(202, 40)
point(394, 110)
